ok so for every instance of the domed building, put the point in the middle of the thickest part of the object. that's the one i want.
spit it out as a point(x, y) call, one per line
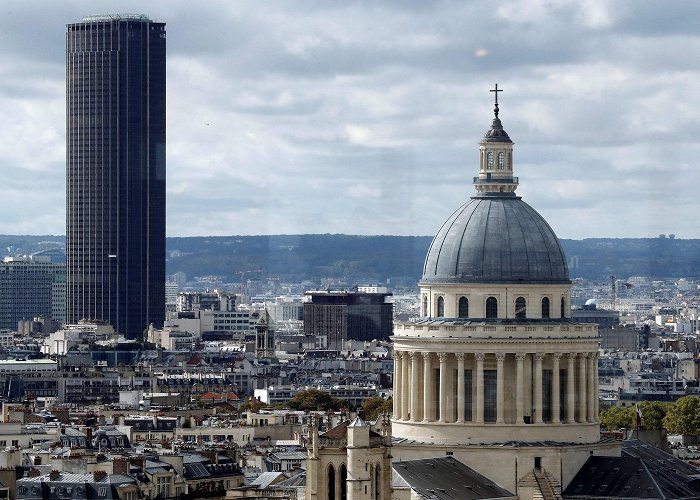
point(495, 373)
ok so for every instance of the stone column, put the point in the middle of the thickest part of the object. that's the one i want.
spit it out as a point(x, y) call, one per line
point(428, 412)
point(570, 389)
point(597, 389)
point(519, 387)
point(397, 384)
point(538, 387)
point(460, 386)
point(500, 403)
point(479, 417)
point(405, 394)
point(592, 395)
point(582, 397)
point(556, 404)
point(416, 410)
point(442, 356)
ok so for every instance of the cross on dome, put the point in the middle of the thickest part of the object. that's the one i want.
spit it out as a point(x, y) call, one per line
point(496, 90)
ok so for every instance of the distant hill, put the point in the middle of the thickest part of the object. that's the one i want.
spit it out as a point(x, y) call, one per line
point(363, 259)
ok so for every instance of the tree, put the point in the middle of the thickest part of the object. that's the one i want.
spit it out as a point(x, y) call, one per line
point(617, 417)
point(653, 413)
point(313, 399)
point(375, 405)
point(683, 416)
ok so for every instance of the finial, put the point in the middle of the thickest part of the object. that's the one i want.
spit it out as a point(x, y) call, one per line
point(496, 90)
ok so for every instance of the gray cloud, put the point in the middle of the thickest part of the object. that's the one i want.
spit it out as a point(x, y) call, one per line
point(364, 117)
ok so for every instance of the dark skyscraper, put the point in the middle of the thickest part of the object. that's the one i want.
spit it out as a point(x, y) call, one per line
point(115, 171)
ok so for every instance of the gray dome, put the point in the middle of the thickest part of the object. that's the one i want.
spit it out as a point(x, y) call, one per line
point(495, 239)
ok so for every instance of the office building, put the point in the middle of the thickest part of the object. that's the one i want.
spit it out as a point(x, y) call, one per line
point(31, 287)
point(342, 316)
point(115, 171)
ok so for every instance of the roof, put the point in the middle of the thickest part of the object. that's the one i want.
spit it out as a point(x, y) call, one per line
point(266, 479)
point(496, 132)
point(448, 478)
point(495, 239)
point(642, 471)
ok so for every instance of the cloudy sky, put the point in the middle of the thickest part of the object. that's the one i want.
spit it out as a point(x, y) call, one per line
point(364, 117)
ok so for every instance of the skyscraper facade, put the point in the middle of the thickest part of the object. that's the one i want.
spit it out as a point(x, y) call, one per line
point(115, 171)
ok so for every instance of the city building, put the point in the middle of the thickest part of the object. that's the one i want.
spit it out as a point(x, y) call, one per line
point(115, 172)
point(343, 316)
point(200, 301)
point(30, 287)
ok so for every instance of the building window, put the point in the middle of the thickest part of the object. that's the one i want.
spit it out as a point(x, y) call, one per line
point(501, 161)
point(545, 307)
point(489, 161)
point(331, 482)
point(520, 308)
point(463, 307)
point(563, 307)
point(440, 307)
point(343, 482)
point(490, 382)
point(491, 308)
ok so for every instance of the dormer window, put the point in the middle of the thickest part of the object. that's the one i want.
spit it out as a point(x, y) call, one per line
point(489, 161)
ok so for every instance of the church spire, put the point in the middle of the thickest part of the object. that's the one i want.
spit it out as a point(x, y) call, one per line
point(496, 159)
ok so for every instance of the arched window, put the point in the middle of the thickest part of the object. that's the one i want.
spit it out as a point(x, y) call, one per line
point(425, 306)
point(545, 307)
point(520, 308)
point(501, 161)
point(343, 482)
point(491, 308)
point(563, 307)
point(331, 482)
point(440, 307)
point(463, 308)
point(489, 160)
point(377, 482)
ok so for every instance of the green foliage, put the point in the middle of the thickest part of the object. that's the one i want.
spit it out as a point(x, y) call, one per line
point(313, 399)
point(653, 413)
point(616, 418)
point(375, 405)
point(683, 416)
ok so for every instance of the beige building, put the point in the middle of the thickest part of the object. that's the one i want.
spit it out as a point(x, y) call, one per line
point(495, 372)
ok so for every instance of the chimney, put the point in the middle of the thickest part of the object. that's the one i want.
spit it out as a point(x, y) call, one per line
point(33, 473)
point(98, 474)
point(88, 435)
point(120, 466)
point(54, 475)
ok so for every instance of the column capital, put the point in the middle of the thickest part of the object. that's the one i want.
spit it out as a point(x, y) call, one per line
point(414, 355)
point(442, 356)
point(583, 355)
point(426, 356)
point(479, 356)
point(398, 354)
point(500, 357)
point(571, 355)
point(520, 356)
point(459, 356)
point(538, 356)
point(556, 356)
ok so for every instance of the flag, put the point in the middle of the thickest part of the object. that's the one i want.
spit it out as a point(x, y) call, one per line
point(639, 415)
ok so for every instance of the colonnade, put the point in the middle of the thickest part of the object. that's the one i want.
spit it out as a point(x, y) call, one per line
point(432, 387)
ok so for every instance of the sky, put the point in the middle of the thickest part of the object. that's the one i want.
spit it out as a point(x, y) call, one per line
point(364, 117)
